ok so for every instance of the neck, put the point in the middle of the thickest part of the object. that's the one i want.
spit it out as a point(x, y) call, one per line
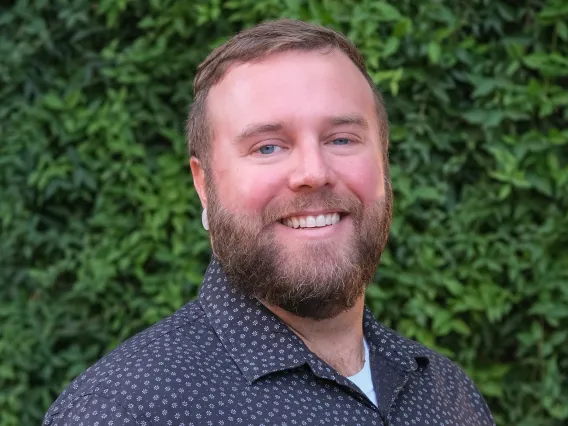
point(338, 341)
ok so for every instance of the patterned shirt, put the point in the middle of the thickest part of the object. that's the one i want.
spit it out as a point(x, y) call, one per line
point(224, 359)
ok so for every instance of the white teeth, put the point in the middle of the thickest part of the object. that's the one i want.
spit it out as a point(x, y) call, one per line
point(312, 221)
point(335, 219)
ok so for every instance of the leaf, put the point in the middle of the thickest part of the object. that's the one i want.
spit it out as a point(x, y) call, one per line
point(484, 87)
point(386, 12)
point(487, 118)
point(53, 101)
point(562, 30)
point(391, 46)
point(434, 52)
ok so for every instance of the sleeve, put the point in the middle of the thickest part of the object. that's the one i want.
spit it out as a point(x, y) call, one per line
point(479, 408)
point(91, 410)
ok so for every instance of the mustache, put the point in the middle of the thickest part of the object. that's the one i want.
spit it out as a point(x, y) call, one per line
point(321, 200)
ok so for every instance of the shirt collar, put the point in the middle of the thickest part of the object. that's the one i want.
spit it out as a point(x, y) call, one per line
point(405, 354)
point(260, 343)
point(256, 339)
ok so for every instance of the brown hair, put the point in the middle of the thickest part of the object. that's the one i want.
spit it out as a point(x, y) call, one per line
point(254, 44)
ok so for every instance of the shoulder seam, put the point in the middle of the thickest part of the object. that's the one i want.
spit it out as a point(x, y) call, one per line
point(190, 320)
point(114, 401)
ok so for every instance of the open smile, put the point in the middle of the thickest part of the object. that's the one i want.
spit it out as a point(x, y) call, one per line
point(312, 221)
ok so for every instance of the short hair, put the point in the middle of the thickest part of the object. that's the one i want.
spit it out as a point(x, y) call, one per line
point(254, 44)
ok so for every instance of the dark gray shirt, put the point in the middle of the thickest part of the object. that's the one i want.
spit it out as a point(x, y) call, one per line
point(224, 359)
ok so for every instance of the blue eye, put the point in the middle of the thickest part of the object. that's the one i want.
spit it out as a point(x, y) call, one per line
point(341, 141)
point(268, 149)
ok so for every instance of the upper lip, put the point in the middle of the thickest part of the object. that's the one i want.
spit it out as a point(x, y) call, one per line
point(313, 213)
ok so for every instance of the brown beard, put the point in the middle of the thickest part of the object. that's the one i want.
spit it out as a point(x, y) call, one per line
point(324, 280)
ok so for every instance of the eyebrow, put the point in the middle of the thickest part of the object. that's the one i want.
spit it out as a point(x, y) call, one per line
point(336, 120)
point(355, 119)
point(259, 129)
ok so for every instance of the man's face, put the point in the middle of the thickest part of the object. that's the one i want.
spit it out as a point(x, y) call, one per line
point(297, 202)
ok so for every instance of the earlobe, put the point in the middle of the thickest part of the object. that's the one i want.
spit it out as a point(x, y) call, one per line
point(199, 180)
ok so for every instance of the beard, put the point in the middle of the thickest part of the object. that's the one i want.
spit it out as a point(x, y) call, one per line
point(320, 280)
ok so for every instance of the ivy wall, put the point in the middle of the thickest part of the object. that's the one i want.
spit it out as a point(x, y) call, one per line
point(100, 224)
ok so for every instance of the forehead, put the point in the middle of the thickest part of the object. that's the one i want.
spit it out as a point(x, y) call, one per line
point(294, 87)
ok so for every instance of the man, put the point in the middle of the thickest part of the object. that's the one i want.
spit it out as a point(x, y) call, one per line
point(288, 144)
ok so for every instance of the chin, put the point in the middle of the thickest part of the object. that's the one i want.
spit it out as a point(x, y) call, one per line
point(318, 252)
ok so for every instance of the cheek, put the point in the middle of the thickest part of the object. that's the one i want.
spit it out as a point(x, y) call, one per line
point(249, 189)
point(364, 177)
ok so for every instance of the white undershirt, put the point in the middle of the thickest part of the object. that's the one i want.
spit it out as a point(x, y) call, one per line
point(363, 378)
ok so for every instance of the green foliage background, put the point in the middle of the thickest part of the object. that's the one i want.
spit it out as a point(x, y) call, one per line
point(100, 228)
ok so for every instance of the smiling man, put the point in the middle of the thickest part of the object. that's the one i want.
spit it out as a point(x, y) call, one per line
point(288, 142)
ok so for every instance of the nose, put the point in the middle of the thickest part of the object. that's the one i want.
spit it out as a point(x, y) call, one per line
point(311, 170)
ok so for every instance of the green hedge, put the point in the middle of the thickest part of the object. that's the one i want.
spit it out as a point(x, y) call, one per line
point(100, 224)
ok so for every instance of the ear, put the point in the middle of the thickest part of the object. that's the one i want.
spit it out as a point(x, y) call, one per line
point(199, 180)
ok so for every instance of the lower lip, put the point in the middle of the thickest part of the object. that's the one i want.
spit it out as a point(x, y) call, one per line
point(316, 232)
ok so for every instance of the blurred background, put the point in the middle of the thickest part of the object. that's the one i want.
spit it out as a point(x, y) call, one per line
point(100, 224)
